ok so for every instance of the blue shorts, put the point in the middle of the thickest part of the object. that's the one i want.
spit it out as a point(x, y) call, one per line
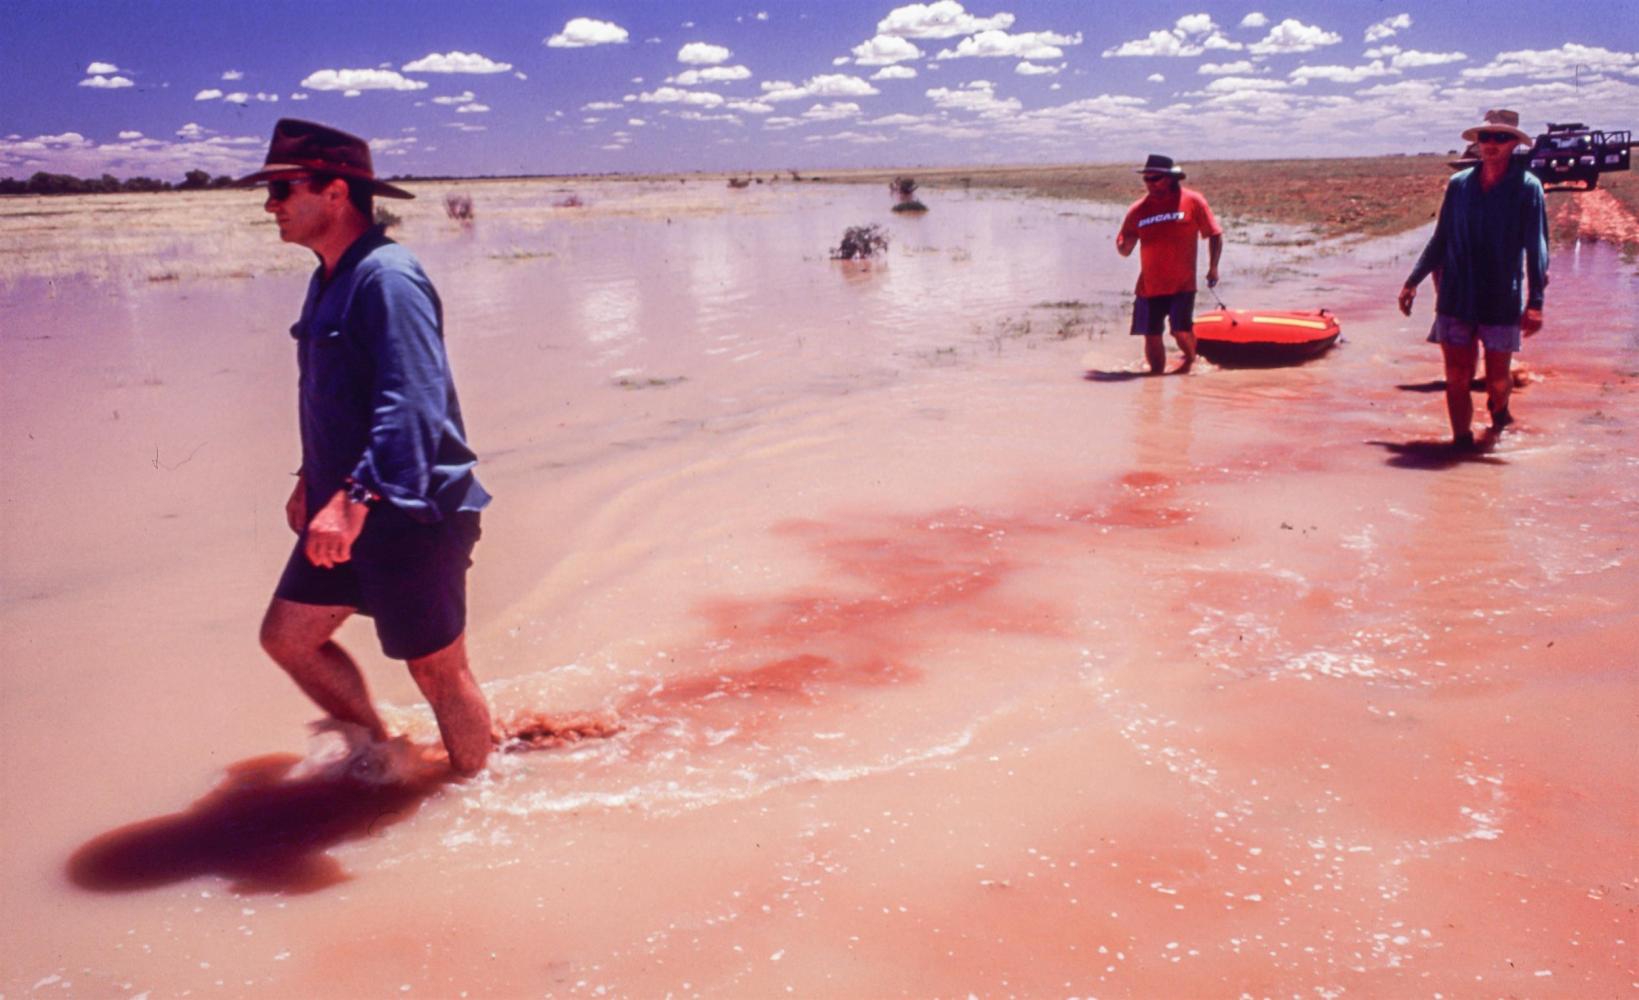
point(1461, 333)
point(410, 577)
point(1149, 312)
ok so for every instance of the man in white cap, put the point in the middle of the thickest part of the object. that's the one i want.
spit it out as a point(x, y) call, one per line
point(1493, 219)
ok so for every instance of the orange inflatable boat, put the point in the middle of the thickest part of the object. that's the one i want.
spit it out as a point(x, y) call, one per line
point(1261, 337)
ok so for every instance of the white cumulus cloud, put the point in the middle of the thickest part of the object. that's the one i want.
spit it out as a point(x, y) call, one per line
point(885, 50)
point(895, 73)
point(1034, 69)
point(835, 111)
point(1388, 27)
point(711, 74)
point(233, 74)
point(702, 54)
point(465, 97)
point(1243, 84)
point(207, 95)
point(1292, 35)
point(130, 134)
point(107, 82)
point(672, 95)
point(473, 108)
point(1254, 20)
point(581, 32)
point(101, 69)
point(825, 85)
point(455, 62)
point(1190, 35)
point(978, 96)
point(1224, 69)
point(1342, 74)
point(1000, 44)
point(1412, 59)
point(356, 80)
point(1552, 64)
point(943, 19)
point(1156, 78)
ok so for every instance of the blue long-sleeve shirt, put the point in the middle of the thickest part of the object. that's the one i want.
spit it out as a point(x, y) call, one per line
point(1477, 245)
point(377, 401)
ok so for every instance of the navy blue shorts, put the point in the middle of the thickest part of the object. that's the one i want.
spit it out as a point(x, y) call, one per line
point(1150, 311)
point(410, 577)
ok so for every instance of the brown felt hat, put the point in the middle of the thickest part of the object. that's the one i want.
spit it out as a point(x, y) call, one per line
point(1158, 164)
point(300, 147)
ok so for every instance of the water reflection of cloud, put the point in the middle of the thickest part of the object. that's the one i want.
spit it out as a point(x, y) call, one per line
point(608, 316)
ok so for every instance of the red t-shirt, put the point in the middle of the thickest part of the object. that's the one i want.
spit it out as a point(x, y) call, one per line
point(1168, 228)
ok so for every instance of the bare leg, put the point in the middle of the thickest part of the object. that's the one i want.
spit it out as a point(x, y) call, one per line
point(1459, 364)
point(1155, 352)
point(463, 715)
point(1498, 383)
point(1186, 343)
point(297, 636)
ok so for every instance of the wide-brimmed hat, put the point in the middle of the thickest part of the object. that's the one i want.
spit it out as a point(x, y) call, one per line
point(300, 147)
point(1158, 164)
point(1497, 120)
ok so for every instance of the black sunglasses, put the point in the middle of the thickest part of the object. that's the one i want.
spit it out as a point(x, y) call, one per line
point(279, 190)
point(1496, 137)
point(1152, 178)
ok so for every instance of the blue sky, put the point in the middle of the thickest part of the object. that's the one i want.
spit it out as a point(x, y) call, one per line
point(158, 87)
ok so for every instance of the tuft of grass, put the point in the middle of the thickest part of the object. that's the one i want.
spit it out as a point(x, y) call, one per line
point(861, 243)
point(458, 206)
point(649, 383)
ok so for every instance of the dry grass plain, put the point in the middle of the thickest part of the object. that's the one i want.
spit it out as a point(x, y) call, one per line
point(1334, 198)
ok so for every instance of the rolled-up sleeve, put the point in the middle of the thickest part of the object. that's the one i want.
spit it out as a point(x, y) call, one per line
point(399, 321)
point(1535, 239)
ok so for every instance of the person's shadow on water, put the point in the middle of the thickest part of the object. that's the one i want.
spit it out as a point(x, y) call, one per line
point(1434, 456)
point(260, 829)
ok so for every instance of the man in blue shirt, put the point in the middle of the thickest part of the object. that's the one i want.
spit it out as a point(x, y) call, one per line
point(386, 504)
point(1493, 215)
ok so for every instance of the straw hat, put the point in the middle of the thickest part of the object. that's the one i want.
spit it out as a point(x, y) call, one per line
point(1497, 120)
point(300, 147)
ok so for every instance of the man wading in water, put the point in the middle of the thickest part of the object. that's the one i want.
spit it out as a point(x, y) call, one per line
point(1167, 224)
point(1492, 215)
point(386, 505)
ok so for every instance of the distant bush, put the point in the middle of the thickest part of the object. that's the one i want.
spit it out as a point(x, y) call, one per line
point(569, 201)
point(458, 206)
point(910, 206)
point(861, 242)
point(386, 219)
point(48, 183)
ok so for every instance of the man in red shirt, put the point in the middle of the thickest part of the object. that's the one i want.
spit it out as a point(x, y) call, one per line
point(1166, 224)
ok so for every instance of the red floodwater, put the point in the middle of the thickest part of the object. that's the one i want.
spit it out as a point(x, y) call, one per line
point(857, 644)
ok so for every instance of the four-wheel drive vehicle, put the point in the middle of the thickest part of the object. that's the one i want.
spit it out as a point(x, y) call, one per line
point(1572, 153)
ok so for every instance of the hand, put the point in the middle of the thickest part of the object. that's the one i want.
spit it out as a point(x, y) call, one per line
point(296, 506)
point(1408, 295)
point(333, 530)
point(1212, 276)
point(1531, 322)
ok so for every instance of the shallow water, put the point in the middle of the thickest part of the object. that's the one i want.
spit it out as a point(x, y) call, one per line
point(929, 666)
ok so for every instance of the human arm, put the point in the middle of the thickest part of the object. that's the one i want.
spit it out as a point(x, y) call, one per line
point(296, 506)
point(397, 318)
point(1536, 257)
point(1433, 254)
point(1215, 249)
point(333, 530)
point(1124, 243)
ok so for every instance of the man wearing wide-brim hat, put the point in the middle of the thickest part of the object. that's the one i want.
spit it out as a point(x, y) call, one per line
point(1168, 224)
point(385, 507)
point(1492, 232)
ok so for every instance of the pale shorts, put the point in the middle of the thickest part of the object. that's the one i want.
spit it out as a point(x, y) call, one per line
point(1461, 333)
